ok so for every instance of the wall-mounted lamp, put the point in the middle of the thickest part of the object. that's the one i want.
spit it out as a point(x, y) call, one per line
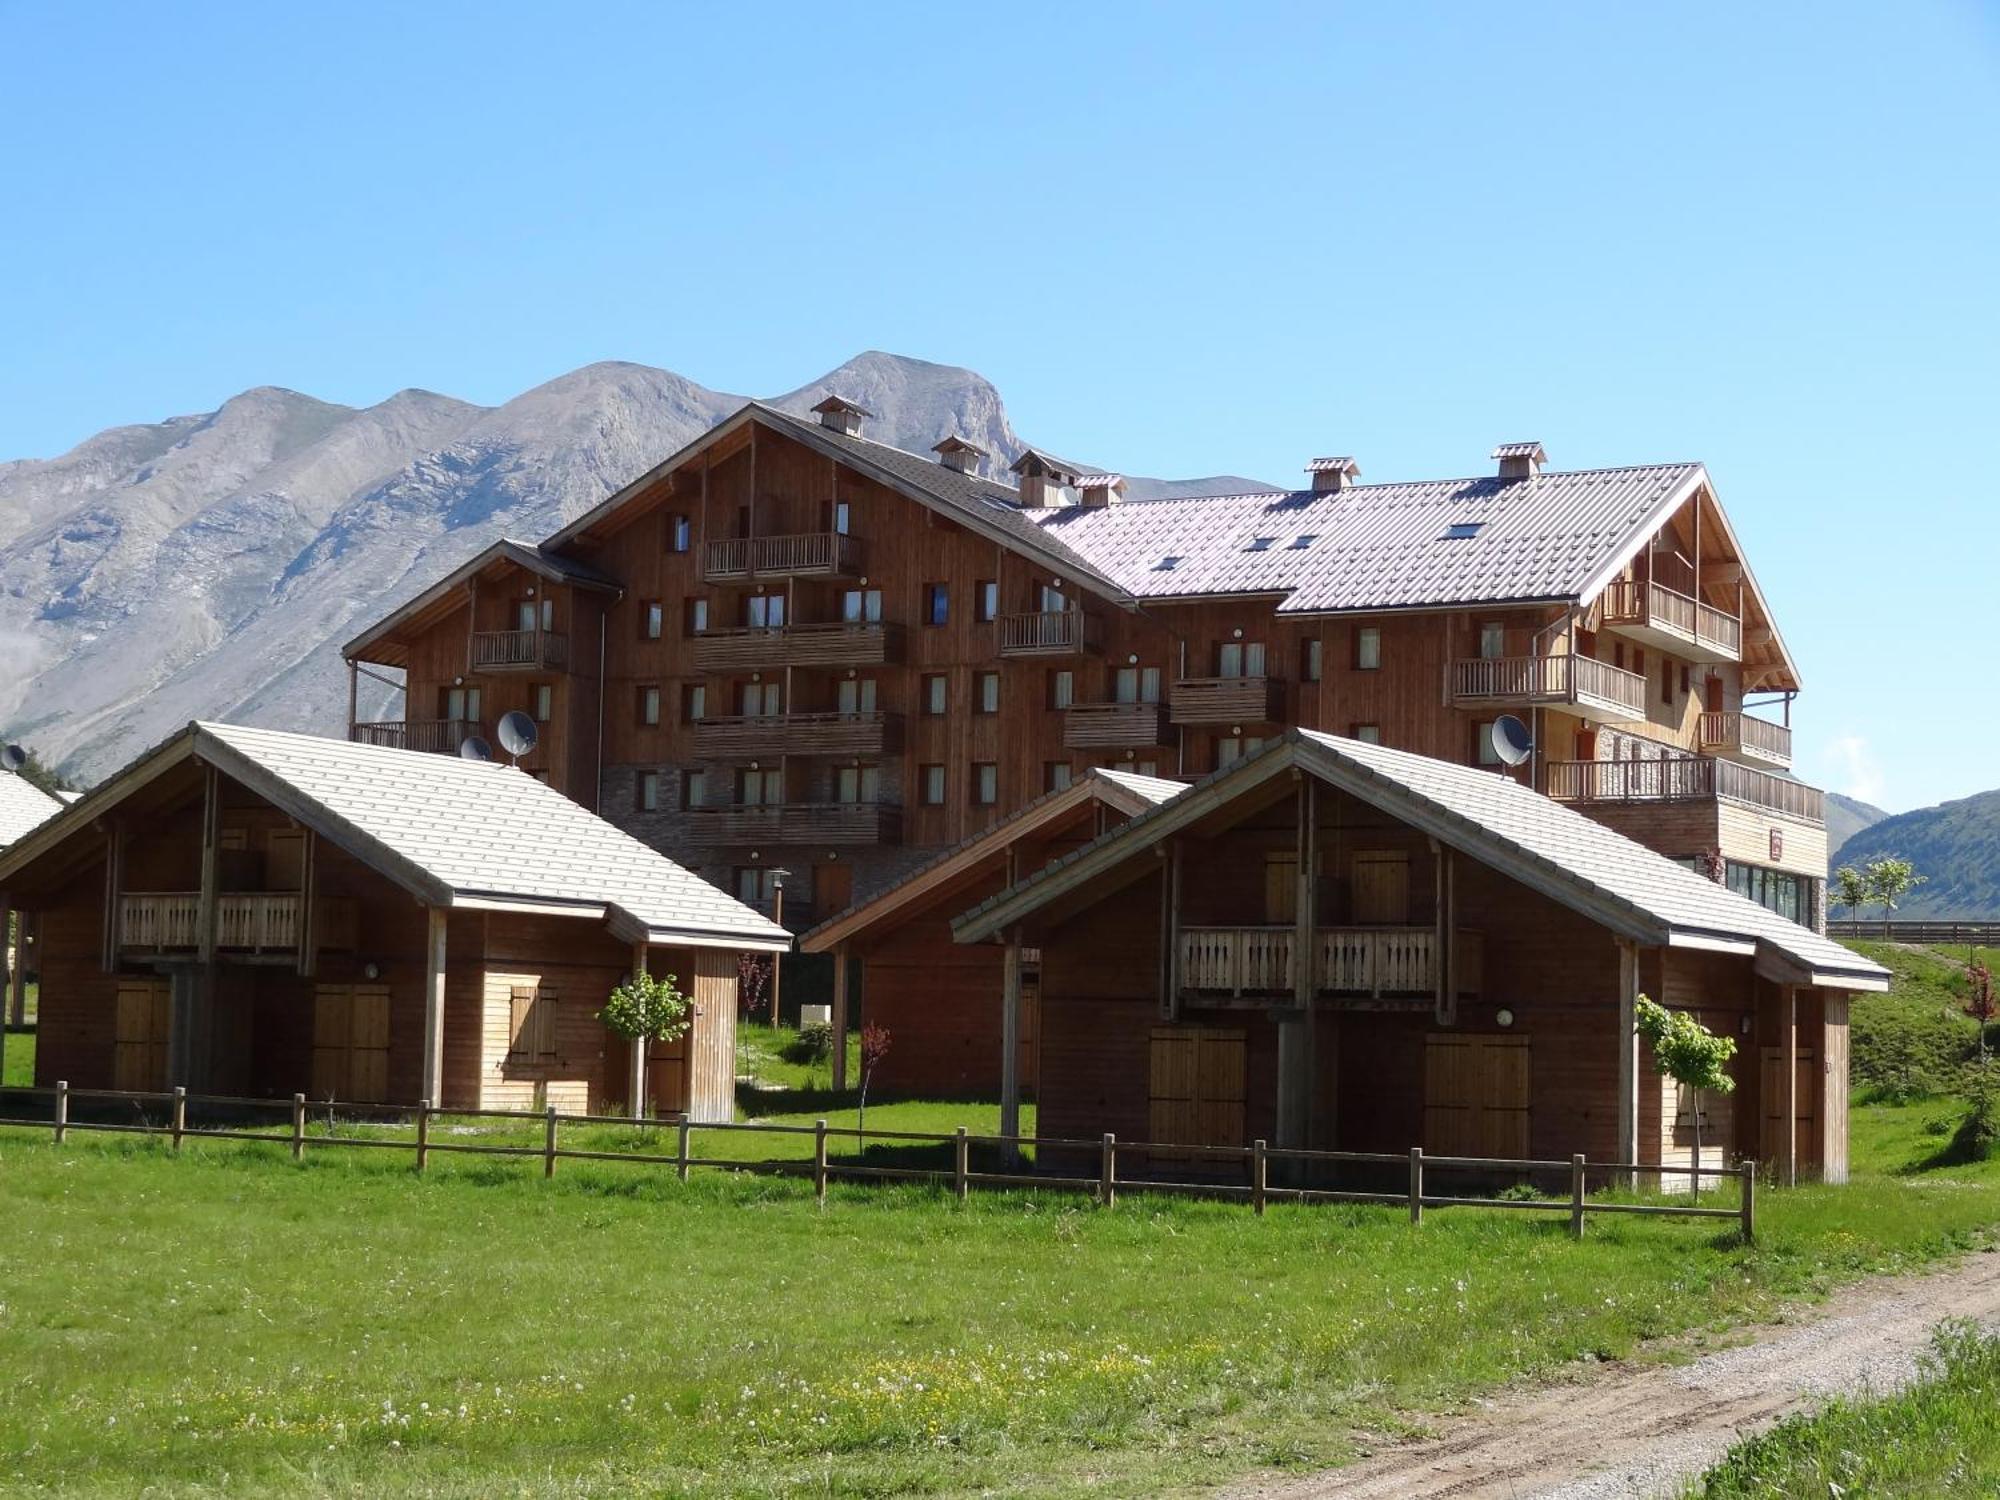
point(371, 971)
point(1503, 1017)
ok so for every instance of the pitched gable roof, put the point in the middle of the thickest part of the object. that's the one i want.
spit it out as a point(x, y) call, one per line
point(535, 558)
point(23, 806)
point(1569, 857)
point(453, 832)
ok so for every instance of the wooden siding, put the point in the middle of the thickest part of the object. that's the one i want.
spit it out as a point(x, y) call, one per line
point(711, 1070)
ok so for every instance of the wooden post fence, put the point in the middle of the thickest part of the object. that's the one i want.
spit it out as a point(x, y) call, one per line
point(549, 1145)
point(1748, 1207)
point(961, 1174)
point(179, 1117)
point(1107, 1177)
point(1259, 1176)
point(1576, 1196)
point(819, 1162)
point(423, 1134)
point(681, 1151)
point(1416, 1184)
point(62, 1110)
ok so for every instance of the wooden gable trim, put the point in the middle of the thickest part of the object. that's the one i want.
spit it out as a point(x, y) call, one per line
point(438, 599)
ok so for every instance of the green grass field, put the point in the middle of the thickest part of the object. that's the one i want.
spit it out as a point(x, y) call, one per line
point(1937, 1440)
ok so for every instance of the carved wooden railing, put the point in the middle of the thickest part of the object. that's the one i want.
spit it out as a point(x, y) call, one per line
point(165, 921)
point(1352, 961)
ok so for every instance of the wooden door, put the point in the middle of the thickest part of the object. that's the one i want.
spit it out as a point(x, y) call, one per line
point(139, 1052)
point(1712, 694)
point(1196, 1097)
point(1281, 888)
point(1771, 1138)
point(350, 1059)
point(1381, 888)
point(1476, 1094)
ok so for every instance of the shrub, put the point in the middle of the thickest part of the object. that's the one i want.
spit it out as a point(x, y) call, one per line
point(1979, 1132)
point(812, 1046)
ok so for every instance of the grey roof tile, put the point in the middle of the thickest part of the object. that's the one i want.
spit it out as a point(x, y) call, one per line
point(23, 806)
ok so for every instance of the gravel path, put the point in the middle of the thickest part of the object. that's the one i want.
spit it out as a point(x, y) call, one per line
point(1626, 1433)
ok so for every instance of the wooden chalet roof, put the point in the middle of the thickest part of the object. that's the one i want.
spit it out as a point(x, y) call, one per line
point(378, 642)
point(1572, 859)
point(1126, 791)
point(23, 806)
point(454, 833)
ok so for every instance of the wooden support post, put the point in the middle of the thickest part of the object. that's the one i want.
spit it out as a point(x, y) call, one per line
point(1628, 1053)
point(62, 1110)
point(1416, 1184)
point(1010, 1042)
point(1747, 1174)
point(819, 1162)
point(1305, 955)
point(17, 1002)
point(681, 1149)
point(840, 1018)
point(1259, 1176)
point(636, 1078)
point(423, 1134)
point(549, 1143)
point(178, 1118)
point(1789, 1089)
point(354, 695)
point(298, 1127)
point(434, 978)
point(1576, 1175)
point(114, 895)
point(961, 1164)
point(1107, 1176)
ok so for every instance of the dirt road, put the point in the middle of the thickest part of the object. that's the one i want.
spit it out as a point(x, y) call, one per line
point(1643, 1432)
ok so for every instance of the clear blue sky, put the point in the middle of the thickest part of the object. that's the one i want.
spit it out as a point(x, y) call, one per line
point(1181, 241)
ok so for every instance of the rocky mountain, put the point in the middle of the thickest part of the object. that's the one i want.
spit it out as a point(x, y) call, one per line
point(1955, 847)
point(1845, 817)
point(211, 565)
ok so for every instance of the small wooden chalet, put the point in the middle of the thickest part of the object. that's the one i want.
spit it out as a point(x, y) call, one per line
point(941, 1001)
point(23, 807)
point(249, 913)
point(1346, 946)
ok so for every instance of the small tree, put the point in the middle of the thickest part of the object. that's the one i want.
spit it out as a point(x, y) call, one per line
point(1850, 889)
point(1979, 1003)
point(1690, 1054)
point(874, 1047)
point(644, 1010)
point(1890, 879)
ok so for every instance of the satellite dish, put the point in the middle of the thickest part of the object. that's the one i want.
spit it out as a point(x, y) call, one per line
point(12, 757)
point(517, 733)
point(1512, 741)
point(472, 747)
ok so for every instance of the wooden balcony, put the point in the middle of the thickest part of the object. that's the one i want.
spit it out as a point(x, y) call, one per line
point(1114, 726)
point(829, 823)
point(814, 554)
point(1672, 621)
point(1688, 778)
point(519, 651)
point(757, 736)
point(1372, 963)
point(754, 648)
point(442, 736)
point(1594, 688)
point(1050, 632)
point(170, 921)
point(1228, 700)
point(1745, 737)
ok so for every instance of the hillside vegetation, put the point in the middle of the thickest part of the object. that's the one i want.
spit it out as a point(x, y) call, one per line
point(1917, 1039)
point(1955, 847)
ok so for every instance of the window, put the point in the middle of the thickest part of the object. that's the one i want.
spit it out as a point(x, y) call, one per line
point(989, 692)
point(757, 887)
point(1368, 649)
point(694, 788)
point(694, 702)
point(841, 517)
point(652, 619)
point(764, 611)
point(1309, 661)
point(1667, 680)
point(760, 700)
point(1462, 531)
point(985, 783)
point(1053, 600)
point(1055, 775)
point(1368, 734)
point(680, 533)
point(1492, 641)
point(856, 695)
point(861, 606)
point(526, 615)
point(931, 782)
point(545, 702)
point(934, 692)
point(1484, 753)
point(858, 784)
point(937, 604)
point(986, 600)
point(1230, 750)
point(1303, 541)
point(1773, 889)
point(1239, 659)
point(649, 791)
point(1167, 564)
point(1062, 688)
point(697, 616)
point(761, 788)
point(1136, 685)
point(461, 705)
point(1260, 544)
point(649, 705)
point(1143, 767)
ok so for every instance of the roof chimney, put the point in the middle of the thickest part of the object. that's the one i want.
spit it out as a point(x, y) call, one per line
point(1331, 475)
point(1099, 490)
point(957, 454)
point(1046, 481)
point(838, 414)
point(1520, 460)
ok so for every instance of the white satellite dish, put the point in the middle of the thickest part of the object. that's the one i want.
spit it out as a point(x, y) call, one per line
point(517, 733)
point(1512, 741)
point(12, 757)
point(472, 747)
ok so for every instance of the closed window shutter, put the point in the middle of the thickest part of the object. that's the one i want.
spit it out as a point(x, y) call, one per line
point(545, 1025)
point(521, 1011)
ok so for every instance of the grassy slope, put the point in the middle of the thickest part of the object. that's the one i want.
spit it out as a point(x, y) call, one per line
point(1914, 1039)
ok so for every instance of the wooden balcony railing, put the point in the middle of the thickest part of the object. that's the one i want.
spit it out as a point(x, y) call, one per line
point(834, 823)
point(1374, 962)
point(519, 650)
point(1685, 778)
point(443, 736)
point(1634, 604)
point(754, 647)
point(168, 921)
point(1746, 736)
point(813, 553)
point(753, 736)
point(1581, 681)
point(1228, 700)
point(1049, 632)
point(1114, 726)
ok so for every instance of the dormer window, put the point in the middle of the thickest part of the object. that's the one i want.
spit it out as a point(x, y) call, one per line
point(1167, 564)
point(1303, 541)
point(1462, 531)
point(1260, 544)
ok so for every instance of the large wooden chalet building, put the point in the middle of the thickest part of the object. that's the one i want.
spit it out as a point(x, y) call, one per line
point(791, 648)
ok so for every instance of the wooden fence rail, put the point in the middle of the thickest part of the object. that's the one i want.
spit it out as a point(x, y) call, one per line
point(1105, 1183)
point(1897, 930)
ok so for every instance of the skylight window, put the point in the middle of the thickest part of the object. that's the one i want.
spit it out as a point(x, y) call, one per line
point(1167, 564)
point(1260, 544)
point(1462, 531)
point(1303, 541)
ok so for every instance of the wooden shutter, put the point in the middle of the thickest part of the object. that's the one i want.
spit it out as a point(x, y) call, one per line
point(1381, 888)
point(546, 1012)
point(1476, 1095)
point(368, 1043)
point(332, 1026)
point(1772, 1137)
point(139, 1055)
point(1196, 1094)
point(520, 1012)
point(1281, 888)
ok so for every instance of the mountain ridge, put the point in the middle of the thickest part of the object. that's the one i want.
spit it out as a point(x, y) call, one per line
point(1955, 847)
